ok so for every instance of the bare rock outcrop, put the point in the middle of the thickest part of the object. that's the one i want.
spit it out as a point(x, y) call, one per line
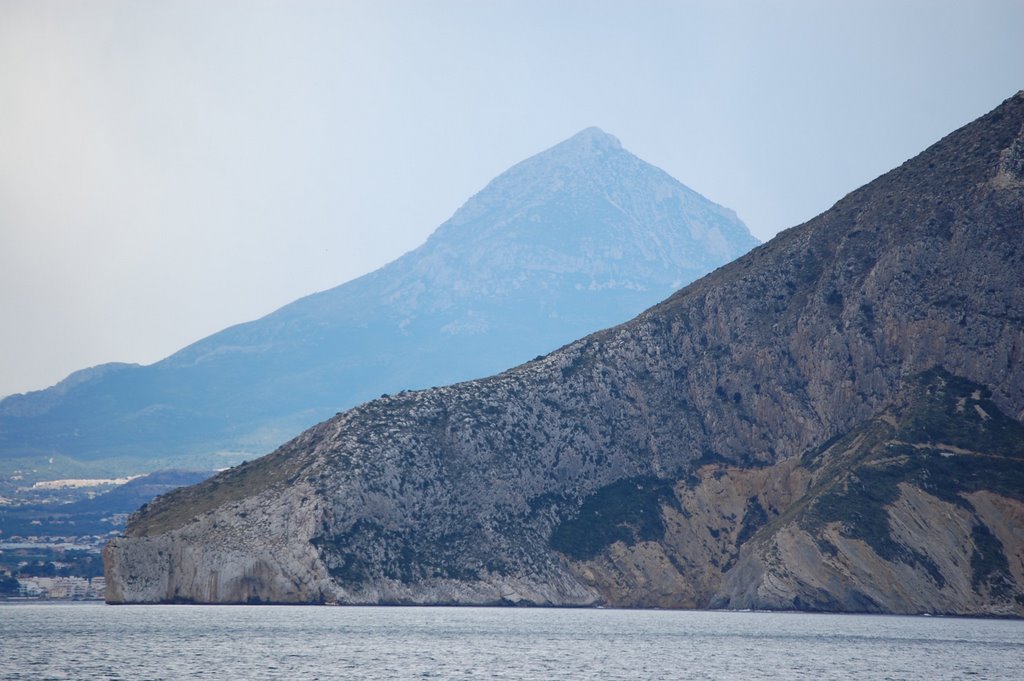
point(917, 511)
point(670, 461)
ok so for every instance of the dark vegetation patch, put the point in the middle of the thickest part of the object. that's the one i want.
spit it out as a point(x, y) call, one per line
point(868, 311)
point(581, 361)
point(628, 511)
point(988, 563)
point(944, 410)
point(861, 509)
point(549, 501)
point(368, 552)
point(754, 517)
point(828, 547)
point(938, 415)
point(709, 456)
point(823, 601)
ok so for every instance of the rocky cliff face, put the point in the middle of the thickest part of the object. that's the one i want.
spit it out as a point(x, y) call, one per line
point(687, 458)
point(917, 510)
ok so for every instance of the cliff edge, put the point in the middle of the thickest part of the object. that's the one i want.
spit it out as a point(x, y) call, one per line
point(731, 446)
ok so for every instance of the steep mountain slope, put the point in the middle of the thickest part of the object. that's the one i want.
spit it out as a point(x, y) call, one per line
point(577, 238)
point(918, 510)
point(515, 487)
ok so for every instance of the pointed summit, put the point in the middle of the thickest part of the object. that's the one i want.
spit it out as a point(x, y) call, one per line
point(590, 187)
point(593, 138)
point(578, 237)
point(589, 151)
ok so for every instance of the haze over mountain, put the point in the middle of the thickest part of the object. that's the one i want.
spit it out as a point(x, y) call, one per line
point(832, 421)
point(574, 239)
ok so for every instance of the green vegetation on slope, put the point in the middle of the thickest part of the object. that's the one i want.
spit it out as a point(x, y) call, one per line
point(947, 438)
point(628, 510)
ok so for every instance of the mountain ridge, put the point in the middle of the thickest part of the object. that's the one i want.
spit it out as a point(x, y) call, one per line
point(538, 257)
point(457, 494)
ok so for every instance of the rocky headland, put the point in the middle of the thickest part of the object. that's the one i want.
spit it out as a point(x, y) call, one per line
point(830, 422)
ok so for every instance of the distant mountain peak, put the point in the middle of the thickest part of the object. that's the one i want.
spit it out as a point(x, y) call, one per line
point(579, 236)
point(593, 172)
point(590, 144)
point(593, 138)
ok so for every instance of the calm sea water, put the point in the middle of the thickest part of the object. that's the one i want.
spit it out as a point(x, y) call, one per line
point(93, 641)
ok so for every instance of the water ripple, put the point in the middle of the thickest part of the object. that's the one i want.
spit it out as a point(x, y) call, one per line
point(164, 643)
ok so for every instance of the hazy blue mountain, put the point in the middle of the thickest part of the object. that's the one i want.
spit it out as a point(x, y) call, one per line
point(579, 237)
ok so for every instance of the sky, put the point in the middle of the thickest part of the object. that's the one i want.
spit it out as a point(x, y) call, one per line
point(168, 169)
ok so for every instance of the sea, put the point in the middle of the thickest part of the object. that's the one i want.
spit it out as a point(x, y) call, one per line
point(94, 641)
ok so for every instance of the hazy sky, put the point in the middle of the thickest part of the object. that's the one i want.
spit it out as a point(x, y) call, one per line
point(170, 168)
